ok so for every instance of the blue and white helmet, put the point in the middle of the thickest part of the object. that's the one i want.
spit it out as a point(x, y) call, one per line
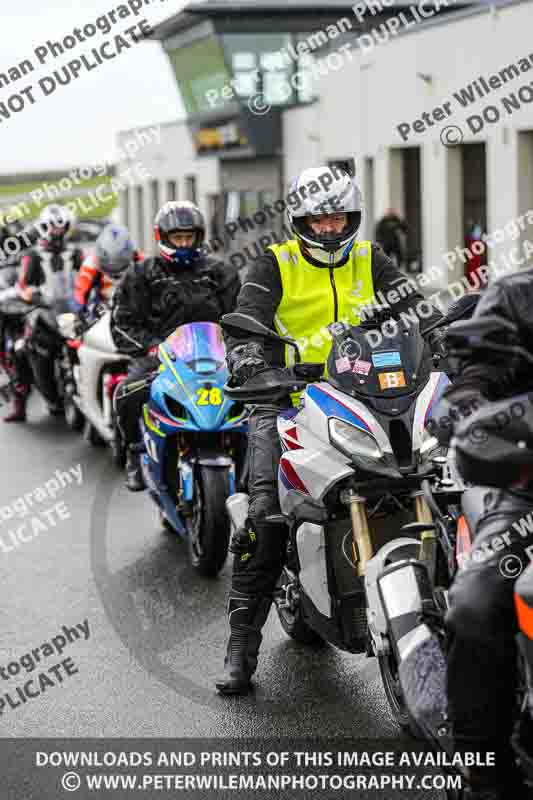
point(114, 249)
point(318, 191)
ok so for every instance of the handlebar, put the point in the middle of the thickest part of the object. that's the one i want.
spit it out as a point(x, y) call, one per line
point(275, 383)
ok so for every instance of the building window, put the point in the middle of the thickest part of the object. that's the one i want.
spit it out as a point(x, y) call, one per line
point(190, 188)
point(140, 215)
point(172, 190)
point(155, 198)
point(270, 65)
point(125, 200)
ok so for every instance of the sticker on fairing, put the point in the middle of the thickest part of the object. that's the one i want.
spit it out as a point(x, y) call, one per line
point(389, 359)
point(343, 364)
point(391, 380)
point(362, 367)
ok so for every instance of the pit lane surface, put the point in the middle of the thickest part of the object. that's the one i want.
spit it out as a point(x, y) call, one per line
point(157, 630)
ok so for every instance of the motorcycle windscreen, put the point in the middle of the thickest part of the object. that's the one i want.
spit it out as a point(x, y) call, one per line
point(363, 364)
point(199, 345)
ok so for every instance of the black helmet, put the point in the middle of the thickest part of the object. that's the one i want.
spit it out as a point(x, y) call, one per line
point(179, 216)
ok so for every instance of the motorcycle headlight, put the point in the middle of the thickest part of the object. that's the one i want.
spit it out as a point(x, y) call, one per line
point(352, 440)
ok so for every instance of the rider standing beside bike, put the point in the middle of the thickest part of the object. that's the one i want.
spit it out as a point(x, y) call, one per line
point(297, 288)
point(178, 286)
point(47, 271)
point(481, 621)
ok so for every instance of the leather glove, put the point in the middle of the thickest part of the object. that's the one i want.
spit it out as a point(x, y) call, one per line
point(437, 341)
point(243, 542)
point(245, 361)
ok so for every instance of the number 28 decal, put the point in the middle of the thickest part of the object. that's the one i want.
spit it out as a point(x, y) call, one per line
point(209, 397)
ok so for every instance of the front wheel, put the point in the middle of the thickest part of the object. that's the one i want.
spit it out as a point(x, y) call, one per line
point(209, 528)
point(393, 690)
point(290, 616)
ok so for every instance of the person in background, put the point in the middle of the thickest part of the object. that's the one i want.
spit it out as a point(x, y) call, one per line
point(390, 235)
point(114, 253)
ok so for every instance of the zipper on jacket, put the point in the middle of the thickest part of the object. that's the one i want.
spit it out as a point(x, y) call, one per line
point(335, 298)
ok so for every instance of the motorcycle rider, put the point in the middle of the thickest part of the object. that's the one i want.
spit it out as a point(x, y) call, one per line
point(11, 324)
point(481, 675)
point(114, 251)
point(178, 286)
point(296, 288)
point(47, 271)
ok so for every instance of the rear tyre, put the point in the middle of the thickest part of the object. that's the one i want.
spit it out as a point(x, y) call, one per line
point(292, 620)
point(91, 435)
point(73, 416)
point(118, 450)
point(209, 526)
point(164, 523)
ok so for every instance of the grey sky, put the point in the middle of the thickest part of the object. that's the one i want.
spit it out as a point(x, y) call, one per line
point(78, 123)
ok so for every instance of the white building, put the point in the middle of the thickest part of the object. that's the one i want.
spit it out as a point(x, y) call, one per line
point(388, 90)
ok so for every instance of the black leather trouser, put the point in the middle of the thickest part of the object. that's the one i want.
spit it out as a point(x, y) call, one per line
point(131, 395)
point(259, 574)
point(482, 659)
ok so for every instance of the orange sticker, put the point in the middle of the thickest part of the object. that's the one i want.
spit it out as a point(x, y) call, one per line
point(392, 380)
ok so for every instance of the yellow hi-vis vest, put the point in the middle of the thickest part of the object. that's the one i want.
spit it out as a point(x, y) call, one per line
point(313, 297)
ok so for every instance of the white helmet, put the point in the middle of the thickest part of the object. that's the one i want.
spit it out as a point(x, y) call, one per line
point(114, 249)
point(318, 191)
point(55, 223)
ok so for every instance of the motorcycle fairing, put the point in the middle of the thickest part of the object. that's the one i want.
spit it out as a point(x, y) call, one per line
point(183, 384)
point(426, 402)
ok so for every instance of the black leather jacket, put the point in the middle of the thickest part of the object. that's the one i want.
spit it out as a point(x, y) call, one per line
point(155, 296)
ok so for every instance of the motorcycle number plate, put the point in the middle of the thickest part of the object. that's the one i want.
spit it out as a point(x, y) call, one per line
point(392, 380)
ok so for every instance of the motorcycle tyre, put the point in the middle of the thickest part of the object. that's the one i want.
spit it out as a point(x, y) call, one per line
point(118, 451)
point(73, 416)
point(295, 626)
point(214, 522)
point(91, 435)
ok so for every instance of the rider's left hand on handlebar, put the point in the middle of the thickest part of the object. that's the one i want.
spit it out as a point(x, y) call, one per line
point(437, 341)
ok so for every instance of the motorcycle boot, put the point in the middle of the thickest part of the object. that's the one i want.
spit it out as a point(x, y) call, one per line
point(134, 477)
point(247, 614)
point(18, 407)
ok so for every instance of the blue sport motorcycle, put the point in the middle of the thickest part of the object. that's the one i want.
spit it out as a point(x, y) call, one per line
point(196, 442)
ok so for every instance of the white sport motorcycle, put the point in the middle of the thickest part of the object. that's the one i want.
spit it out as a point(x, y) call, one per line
point(95, 368)
point(355, 454)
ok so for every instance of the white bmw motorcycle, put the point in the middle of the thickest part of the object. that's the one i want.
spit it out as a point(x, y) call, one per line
point(95, 368)
point(355, 454)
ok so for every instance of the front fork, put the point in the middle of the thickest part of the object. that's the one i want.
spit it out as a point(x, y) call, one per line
point(362, 548)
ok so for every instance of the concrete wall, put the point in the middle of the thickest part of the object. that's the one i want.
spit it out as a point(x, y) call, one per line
point(362, 104)
point(169, 157)
point(375, 91)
